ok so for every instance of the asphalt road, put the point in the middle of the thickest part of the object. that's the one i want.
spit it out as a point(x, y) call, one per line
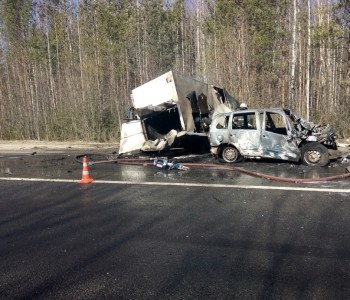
point(164, 240)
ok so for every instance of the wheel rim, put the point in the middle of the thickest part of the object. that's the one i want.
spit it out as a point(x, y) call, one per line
point(230, 154)
point(313, 156)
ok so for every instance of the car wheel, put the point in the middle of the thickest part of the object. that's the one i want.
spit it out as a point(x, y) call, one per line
point(314, 154)
point(230, 155)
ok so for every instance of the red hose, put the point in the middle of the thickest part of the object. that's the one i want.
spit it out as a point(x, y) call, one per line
point(270, 177)
point(241, 170)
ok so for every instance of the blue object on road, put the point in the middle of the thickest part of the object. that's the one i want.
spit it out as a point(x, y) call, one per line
point(164, 164)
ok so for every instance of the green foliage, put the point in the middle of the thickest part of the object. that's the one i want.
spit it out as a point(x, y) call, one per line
point(325, 34)
point(37, 46)
point(63, 127)
point(227, 13)
point(16, 16)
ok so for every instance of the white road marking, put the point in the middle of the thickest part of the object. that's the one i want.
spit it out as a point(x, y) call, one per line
point(211, 185)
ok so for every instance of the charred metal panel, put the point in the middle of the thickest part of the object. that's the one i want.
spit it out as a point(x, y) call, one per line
point(247, 141)
point(276, 139)
point(132, 136)
point(203, 104)
point(159, 124)
point(308, 131)
point(245, 132)
point(187, 91)
point(277, 146)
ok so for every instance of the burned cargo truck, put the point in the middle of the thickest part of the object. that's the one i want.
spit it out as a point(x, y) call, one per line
point(173, 111)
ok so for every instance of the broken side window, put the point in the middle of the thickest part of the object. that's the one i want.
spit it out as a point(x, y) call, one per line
point(274, 122)
point(244, 121)
point(222, 122)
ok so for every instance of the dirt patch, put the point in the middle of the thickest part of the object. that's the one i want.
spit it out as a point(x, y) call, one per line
point(74, 146)
point(52, 146)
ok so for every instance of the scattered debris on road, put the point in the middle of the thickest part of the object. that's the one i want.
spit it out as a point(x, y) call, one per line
point(165, 164)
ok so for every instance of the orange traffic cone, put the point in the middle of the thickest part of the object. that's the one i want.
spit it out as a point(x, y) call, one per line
point(86, 176)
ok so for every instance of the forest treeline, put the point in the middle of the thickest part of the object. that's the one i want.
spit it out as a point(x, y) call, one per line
point(68, 66)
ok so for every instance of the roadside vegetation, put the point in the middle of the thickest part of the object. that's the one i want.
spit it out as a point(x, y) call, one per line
point(68, 67)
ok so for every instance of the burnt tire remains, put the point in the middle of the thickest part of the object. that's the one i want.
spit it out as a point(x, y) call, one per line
point(314, 154)
point(230, 154)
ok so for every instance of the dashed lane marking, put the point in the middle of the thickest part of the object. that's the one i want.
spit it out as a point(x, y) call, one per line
point(211, 185)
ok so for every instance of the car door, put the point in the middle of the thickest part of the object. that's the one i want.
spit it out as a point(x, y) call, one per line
point(276, 139)
point(244, 132)
point(218, 133)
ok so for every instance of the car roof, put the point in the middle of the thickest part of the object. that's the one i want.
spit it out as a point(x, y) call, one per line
point(258, 110)
point(254, 110)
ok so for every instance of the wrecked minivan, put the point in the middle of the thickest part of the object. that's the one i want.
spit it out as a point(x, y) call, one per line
point(271, 133)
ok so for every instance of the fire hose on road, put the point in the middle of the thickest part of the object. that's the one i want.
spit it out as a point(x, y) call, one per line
point(152, 162)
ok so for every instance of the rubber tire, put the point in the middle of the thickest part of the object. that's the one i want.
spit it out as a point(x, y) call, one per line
point(230, 154)
point(319, 150)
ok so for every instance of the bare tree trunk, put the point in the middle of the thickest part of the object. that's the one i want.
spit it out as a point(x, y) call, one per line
point(183, 54)
point(293, 58)
point(348, 70)
point(50, 66)
point(80, 59)
point(34, 104)
point(200, 42)
point(322, 64)
point(215, 47)
point(58, 68)
point(308, 57)
point(329, 67)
